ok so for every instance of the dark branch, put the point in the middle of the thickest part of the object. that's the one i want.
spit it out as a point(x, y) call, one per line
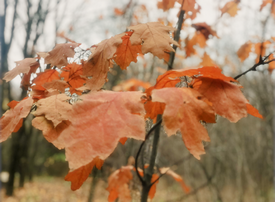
point(262, 61)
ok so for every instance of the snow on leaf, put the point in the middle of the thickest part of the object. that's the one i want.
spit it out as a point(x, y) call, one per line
point(126, 52)
point(99, 62)
point(154, 38)
point(231, 8)
point(78, 176)
point(118, 184)
point(58, 56)
point(11, 118)
point(54, 108)
point(23, 66)
point(184, 110)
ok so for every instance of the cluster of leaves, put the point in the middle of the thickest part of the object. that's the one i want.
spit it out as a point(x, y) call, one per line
point(74, 113)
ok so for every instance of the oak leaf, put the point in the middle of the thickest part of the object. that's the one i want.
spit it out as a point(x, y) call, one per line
point(78, 176)
point(118, 184)
point(12, 119)
point(205, 29)
point(184, 110)
point(55, 108)
point(99, 62)
point(94, 125)
point(244, 51)
point(166, 4)
point(24, 66)
point(59, 55)
point(154, 38)
point(231, 8)
point(131, 85)
point(126, 52)
point(177, 177)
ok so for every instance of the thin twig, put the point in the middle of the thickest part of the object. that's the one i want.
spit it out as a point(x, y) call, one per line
point(140, 148)
point(262, 61)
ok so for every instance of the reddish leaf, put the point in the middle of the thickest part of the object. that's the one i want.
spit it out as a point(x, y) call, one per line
point(45, 77)
point(166, 4)
point(10, 120)
point(253, 111)
point(178, 178)
point(99, 62)
point(189, 5)
point(24, 66)
point(55, 108)
point(231, 8)
point(184, 110)
point(97, 122)
point(79, 176)
point(59, 55)
point(244, 51)
point(123, 140)
point(153, 188)
point(154, 38)
point(73, 74)
point(118, 184)
point(207, 61)
point(12, 104)
point(197, 39)
point(118, 11)
point(56, 84)
point(205, 29)
point(131, 85)
point(227, 98)
point(126, 53)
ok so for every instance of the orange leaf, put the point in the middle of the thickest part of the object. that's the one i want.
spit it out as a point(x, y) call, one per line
point(205, 29)
point(131, 85)
point(265, 2)
point(56, 84)
point(95, 123)
point(231, 8)
point(227, 98)
point(178, 178)
point(73, 73)
point(207, 61)
point(244, 51)
point(166, 4)
point(11, 119)
point(253, 111)
point(59, 55)
point(118, 183)
point(153, 188)
point(197, 39)
point(45, 77)
point(154, 38)
point(189, 5)
point(184, 110)
point(118, 11)
point(123, 140)
point(99, 62)
point(126, 53)
point(79, 176)
point(12, 104)
point(24, 66)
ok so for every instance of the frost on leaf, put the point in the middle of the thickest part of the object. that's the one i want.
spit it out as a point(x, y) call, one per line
point(78, 176)
point(59, 55)
point(100, 61)
point(26, 66)
point(184, 110)
point(11, 118)
point(154, 38)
